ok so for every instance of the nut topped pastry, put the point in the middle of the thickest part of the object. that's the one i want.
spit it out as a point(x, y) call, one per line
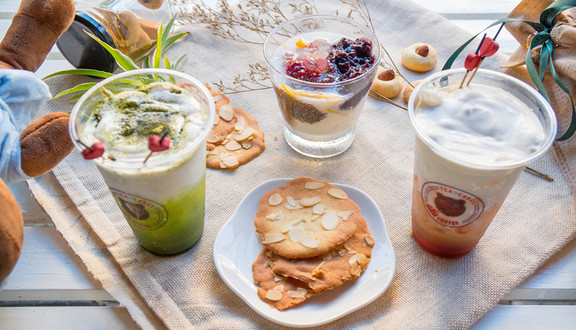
point(305, 218)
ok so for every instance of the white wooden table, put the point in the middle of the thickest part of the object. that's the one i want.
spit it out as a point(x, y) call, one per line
point(51, 288)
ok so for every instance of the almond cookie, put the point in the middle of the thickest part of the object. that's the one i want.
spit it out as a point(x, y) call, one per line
point(331, 269)
point(225, 118)
point(278, 291)
point(305, 218)
point(419, 57)
point(244, 143)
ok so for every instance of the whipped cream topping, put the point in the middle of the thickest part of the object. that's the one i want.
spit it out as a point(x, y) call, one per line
point(479, 123)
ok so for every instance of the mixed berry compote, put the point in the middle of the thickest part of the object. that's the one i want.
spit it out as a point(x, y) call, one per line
point(322, 61)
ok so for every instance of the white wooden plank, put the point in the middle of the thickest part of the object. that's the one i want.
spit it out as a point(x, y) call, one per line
point(48, 263)
point(32, 212)
point(78, 318)
point(522, 317)
point(469, 6)
point(559, 272)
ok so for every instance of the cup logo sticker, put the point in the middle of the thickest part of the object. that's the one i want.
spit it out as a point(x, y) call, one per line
point(450, 206)
point(140, 212)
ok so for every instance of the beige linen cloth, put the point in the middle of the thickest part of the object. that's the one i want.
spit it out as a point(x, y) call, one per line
point(427, 292)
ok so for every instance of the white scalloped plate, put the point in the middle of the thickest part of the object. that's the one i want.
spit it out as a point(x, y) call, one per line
point(237, 246)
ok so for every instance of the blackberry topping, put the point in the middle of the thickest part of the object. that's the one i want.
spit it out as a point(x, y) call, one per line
point(347, 59)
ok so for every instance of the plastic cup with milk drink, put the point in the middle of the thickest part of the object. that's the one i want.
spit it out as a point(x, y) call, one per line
point(161, 194)
point(472, 143)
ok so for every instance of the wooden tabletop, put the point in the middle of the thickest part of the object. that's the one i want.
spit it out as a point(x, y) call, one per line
point(51, 288)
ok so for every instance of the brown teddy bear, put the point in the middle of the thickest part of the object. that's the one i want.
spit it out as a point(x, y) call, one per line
point(27, 149)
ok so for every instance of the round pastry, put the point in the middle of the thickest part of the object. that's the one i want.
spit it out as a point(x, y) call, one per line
point(419, 57)
point(151, 4)
point(387, 83)
point(408, 90)
point(11, 231)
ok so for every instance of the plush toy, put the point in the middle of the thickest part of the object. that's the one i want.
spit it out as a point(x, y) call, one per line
point(27, 149)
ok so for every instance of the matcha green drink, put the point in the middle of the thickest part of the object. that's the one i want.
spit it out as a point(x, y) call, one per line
point(146, 130)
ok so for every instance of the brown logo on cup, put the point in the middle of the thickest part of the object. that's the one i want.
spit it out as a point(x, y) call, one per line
point(137, 211)
point(449, 206)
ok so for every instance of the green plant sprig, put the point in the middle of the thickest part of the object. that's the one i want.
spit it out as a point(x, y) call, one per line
point(151, 60)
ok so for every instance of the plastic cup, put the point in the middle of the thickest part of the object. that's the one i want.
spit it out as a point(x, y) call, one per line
point(320, 118)
point(455, 199)
point(162, 198)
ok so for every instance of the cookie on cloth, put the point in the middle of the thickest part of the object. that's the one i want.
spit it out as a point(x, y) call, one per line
point(225, 118)
point(330, 270)
point(244, 143)
point(305, 218)
point(279, 292)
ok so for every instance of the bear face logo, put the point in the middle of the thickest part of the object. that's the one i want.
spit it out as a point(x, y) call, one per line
point(449, 206)
point(134, 210)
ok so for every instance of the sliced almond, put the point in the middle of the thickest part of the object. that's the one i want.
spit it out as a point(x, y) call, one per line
point(226, 112)
point(213, 152)
point(240, 124)
point(318, 208)
point(277, 278)
point(212, 138)
point(230, 161)
point(353, 258)
point(274, 295)
point(290, 200)
point(246, 144)
point(287, 227)
point(355, 269)
point(369, 240)
point(329, 220)
point(312, 185)
point(280, 216)
point(337, 193)
point(218, 97)
point(298, 294)
point(327, 256)
point(307, 202)
point(296, 234)
point(310, 242)
point(233, 146)
point(275, 199)
point(273, 238)
point(245, 134)
point(344, 214)
point(316, 270)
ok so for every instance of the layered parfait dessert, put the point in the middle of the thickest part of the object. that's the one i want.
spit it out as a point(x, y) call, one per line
point(161, 194)
point(326, 58)
point(472, 144)
point(321, 68)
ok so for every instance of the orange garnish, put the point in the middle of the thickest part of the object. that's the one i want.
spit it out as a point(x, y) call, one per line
point(301, 44)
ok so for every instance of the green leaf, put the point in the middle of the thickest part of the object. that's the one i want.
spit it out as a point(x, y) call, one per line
point(167, 29)
point(167, 63)
point(123, 61)
point(78, 88)
point(178, 60)
point(158, 50)
point(85, 72)
point(168, 42)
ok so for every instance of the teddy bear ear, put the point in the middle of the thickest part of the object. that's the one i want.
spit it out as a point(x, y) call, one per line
point(33, 31)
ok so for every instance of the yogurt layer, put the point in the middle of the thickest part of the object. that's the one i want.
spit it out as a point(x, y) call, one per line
point(123, 121)
point(479, 123)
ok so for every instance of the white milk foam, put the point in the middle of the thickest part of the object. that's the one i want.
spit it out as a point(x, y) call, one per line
point(480, 124)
